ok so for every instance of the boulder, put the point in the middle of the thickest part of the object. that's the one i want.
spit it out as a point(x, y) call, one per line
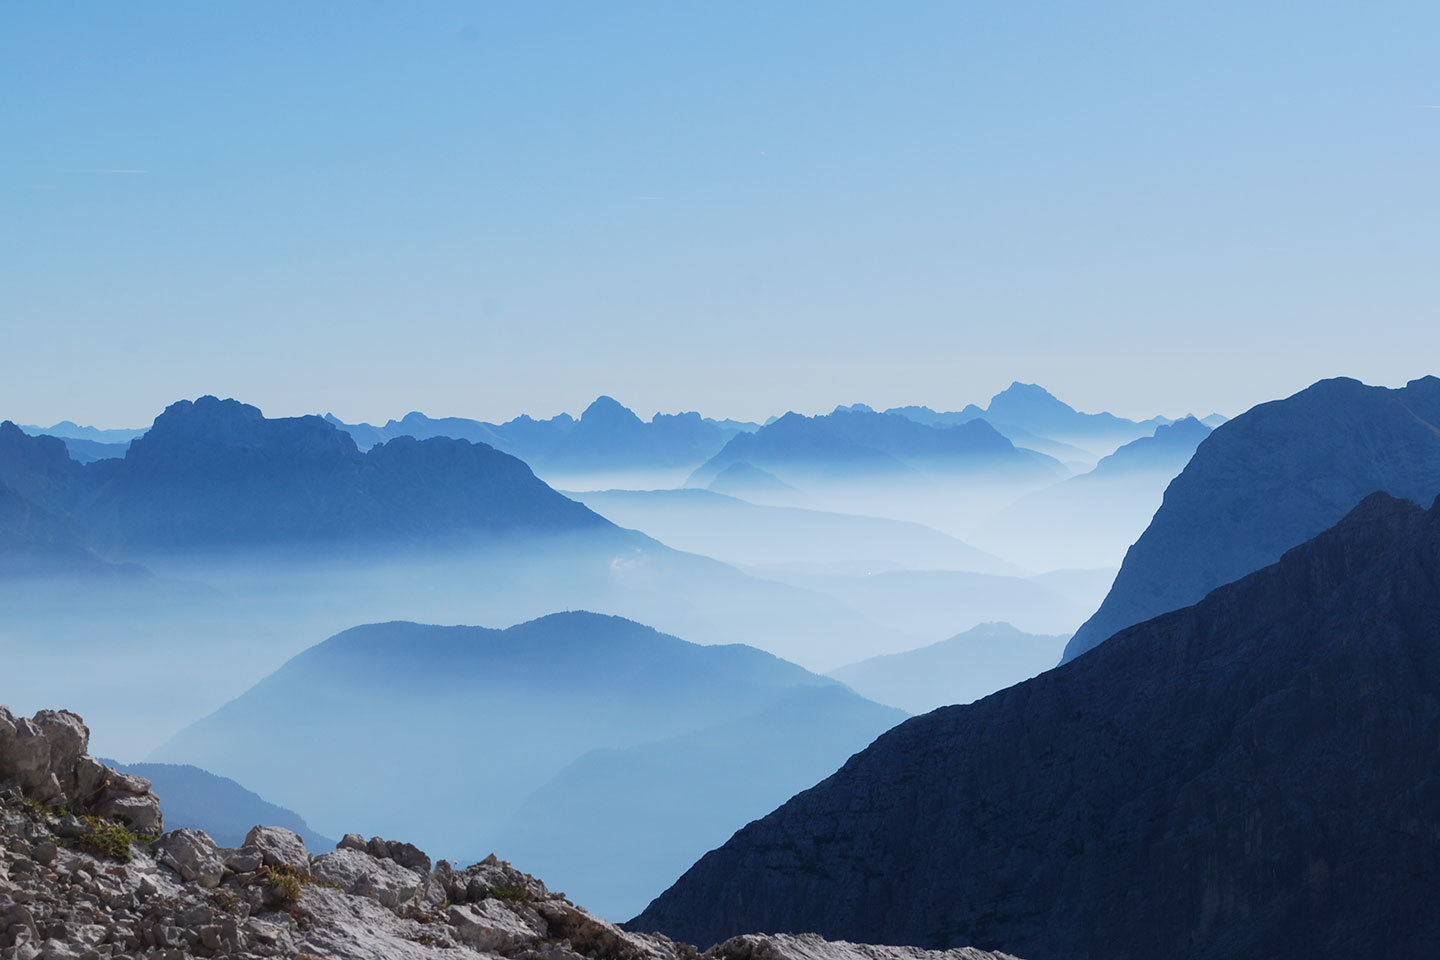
point(191, 854)
point(279, 846)
point(360, 874)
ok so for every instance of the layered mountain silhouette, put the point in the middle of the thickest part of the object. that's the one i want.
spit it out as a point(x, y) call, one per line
point(607, 436)
point(217, 473)
point(735, 531)
point(966, 667)
point(70, 430)
point(221, 807)
point(1268, 480)
point(493, 715)
point(1033, 417)
point(1091, 519)
point(624, 823)
point(852, 443)
point(1251, 776)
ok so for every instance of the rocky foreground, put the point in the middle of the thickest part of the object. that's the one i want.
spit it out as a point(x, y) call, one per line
point(87, 872)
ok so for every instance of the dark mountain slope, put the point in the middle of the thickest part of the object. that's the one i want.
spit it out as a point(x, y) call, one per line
point(1268, 480)
point(1253, 776)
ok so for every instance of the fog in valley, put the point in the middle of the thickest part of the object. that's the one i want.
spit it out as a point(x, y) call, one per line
point(759, 602)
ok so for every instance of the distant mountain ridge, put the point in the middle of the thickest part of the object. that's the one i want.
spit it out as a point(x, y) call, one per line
point(1032, 416)
point(217, 472)
point(534, 699)
point(1089, 520)
point(1251, 776)
point(964, 668)
point(850, 442)
point(606, 436)
point(1268, 480)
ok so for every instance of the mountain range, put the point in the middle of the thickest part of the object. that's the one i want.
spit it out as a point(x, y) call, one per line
point(1268, 480)
point(495, 715)
point(1251, 776)
point(849, 444)
point(607, 436)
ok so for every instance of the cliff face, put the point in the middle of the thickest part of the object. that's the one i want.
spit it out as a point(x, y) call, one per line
point(1255, 775)
point(1267, 481)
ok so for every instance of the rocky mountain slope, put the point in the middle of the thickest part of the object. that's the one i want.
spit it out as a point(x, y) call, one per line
point(84, 877)
point(1268, 480)
point(1252, 776)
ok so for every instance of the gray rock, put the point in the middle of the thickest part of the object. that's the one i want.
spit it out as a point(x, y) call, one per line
point(246, 859)
point(382, 880)
point(279, 846)
point(191, 854)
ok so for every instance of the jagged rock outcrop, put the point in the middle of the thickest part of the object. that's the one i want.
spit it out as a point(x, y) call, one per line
point(1268, 480)
point(1252, 776)
point(85, 888)
point(46, 759)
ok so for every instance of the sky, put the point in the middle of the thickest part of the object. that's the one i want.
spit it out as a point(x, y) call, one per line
point(484, 209)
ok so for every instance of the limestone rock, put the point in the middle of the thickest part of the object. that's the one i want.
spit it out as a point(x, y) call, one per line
point(192, 854)
point(279, 846)
point(360, 874)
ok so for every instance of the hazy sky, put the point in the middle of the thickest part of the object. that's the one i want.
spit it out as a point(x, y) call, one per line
point(487, 208)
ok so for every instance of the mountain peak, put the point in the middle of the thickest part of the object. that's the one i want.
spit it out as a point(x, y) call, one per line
point(607, 410)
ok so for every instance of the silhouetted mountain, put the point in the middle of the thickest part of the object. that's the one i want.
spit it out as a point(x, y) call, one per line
point(1268, 480)
point(217, 473)
point(1214, 420)
point(968, 666)
point(745, 480)
point(38, 469)
point(622, 824)
point(1033, 417)
point(492, 715)
point(738, 532)
point(34, 542)
point(221, 807)
point(607, 436)
point(1252, 776)
point(70, 430)
point(1090, 520)
point(849, 444)
point(88, 451)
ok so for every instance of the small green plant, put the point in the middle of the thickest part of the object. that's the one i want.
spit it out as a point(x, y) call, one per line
point(286, 884)
point(106, 838)
point(226, 901)
point(508, 891)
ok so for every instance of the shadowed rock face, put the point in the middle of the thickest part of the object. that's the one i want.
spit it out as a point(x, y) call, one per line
point(1253, 776)
point(1268, 480)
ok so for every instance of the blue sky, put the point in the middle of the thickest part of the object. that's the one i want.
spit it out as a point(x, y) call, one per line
point(487, 209)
